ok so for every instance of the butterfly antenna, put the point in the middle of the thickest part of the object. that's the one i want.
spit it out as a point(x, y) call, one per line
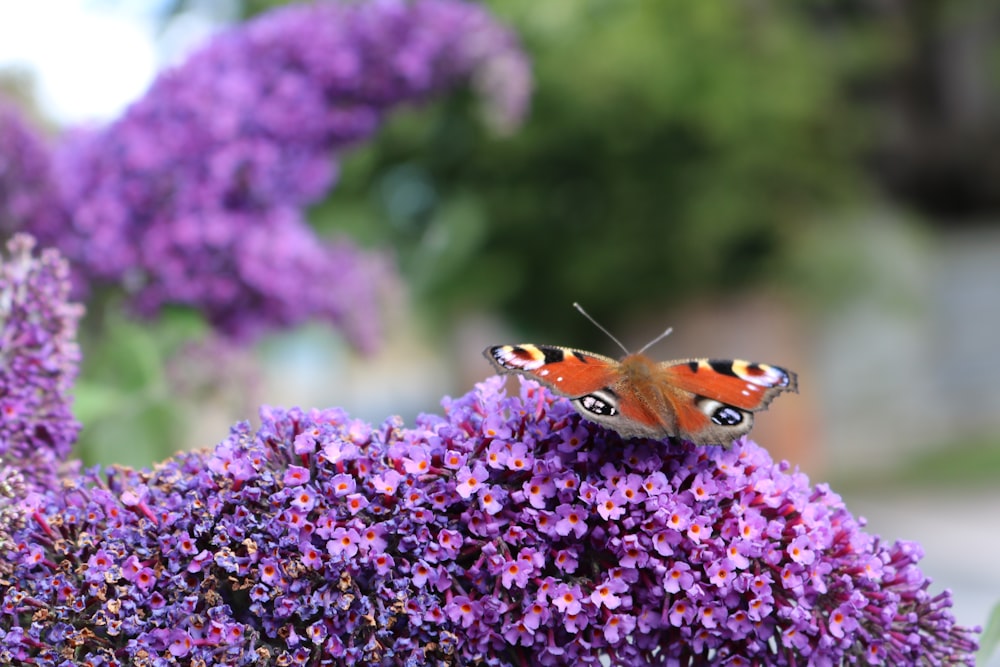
point(596, 324)
point(655, 340)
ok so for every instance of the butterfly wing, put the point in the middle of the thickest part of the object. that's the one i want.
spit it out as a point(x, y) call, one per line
point(741, 384)
point(568, 372)
point(714, 399)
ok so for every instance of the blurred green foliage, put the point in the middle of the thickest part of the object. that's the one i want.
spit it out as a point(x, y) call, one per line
point(130, 409)
point(990, 638)
point(675, 150)
point(968, 464)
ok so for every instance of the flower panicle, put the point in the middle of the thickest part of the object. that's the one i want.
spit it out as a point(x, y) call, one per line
point(506, 531)
point(13, 490)
point(39, 360)
point(196, 196)
point(28, 194)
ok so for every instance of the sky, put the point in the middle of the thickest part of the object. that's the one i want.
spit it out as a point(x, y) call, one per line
point(90, 58)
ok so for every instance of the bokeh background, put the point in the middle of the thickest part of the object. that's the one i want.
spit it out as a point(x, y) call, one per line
point(811, 184)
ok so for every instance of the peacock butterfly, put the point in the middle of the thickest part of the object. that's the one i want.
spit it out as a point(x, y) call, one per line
point(704, 401)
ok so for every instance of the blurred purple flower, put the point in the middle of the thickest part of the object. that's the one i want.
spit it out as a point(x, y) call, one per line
point(39, 359)
point(214, 557)
point(196, 196)
point(28, 195)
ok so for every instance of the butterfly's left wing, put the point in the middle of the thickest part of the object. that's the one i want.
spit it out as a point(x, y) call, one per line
point(741, 384)
point(566, 371)
point(714, 399)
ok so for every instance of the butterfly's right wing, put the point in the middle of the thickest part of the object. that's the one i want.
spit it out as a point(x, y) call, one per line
point(568, 372)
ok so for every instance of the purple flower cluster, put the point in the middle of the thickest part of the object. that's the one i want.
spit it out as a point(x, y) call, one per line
point(39, 359)
point(196, 196)
point(507, 532)
point(13, 509)
point(28, 196)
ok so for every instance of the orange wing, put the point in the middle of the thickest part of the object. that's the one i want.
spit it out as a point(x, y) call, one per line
point(741, 384)
point(566, 371)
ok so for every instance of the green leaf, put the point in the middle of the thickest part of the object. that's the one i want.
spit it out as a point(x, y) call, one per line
point(93, 401)
point(990, 638)
point(142, 432)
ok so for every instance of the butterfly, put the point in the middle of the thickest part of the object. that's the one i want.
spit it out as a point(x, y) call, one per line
point(703, 401)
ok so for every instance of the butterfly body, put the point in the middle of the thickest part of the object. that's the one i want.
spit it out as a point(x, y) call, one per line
point(704, 401)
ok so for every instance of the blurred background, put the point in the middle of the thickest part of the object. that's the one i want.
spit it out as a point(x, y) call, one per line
point(812, 184)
